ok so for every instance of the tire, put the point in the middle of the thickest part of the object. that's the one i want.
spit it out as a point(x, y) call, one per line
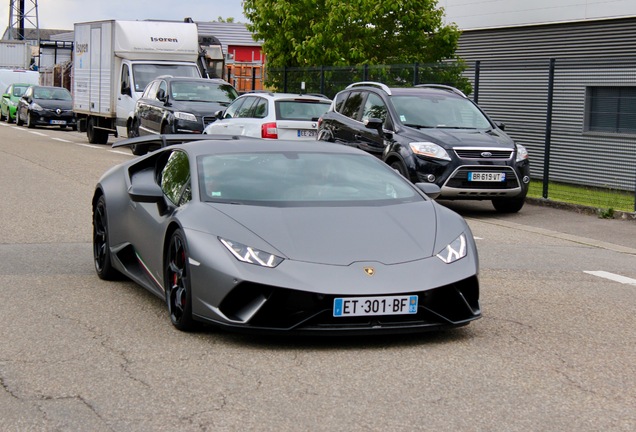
point(9, 119)
point(166, 129)
point(2, 117)
point(101, 245)
point(18, 120)
point(133, 133)
point(510, 205)
point(177, 283)
point(95, 136)
point(29, 123)
point(400, 168)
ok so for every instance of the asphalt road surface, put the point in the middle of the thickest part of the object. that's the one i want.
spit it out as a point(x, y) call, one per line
point(554, 351)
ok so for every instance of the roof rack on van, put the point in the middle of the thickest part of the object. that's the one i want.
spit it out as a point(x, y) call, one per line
point(443, 87)
point(372, 84)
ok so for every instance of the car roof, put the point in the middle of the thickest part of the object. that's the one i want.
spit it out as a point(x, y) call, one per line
point(281, 96)
point(190, 79)
point(420, 89)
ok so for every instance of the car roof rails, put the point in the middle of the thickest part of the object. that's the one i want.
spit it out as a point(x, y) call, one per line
point(267, 92)
point(443, 87)
point(372, 84)
point(320, 95)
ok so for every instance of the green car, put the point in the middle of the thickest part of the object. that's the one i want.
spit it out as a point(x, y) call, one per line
point(10, 99)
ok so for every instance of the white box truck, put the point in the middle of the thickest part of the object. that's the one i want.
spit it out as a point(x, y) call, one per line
point(115, 60)
point(15, 54)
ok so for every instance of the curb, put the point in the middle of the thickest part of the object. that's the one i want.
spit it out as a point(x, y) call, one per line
point(618, 215)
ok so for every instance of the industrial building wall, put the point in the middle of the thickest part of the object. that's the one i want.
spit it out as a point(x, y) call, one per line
point(510, 71)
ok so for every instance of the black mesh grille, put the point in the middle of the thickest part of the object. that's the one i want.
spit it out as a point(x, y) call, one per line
point(455, 304)
point(484, 154)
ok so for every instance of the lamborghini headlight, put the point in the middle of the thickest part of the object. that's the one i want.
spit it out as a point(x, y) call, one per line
point(429, 149)
point(251, 255)
point(456, 250)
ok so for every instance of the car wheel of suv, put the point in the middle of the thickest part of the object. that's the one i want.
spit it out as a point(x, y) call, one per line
point(510, 205)
point(18, 120)
point(400, 168)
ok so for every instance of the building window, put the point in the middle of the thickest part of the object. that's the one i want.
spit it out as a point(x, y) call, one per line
point(611, 110)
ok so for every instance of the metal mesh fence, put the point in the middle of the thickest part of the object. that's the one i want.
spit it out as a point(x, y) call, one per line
point(576, 117)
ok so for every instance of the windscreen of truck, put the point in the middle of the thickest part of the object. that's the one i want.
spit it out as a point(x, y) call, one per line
point(144, 73)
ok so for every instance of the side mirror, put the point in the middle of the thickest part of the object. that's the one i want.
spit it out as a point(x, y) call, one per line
point(6, 96)
point(125, 89)
point(430, 189)
point(145, 193)
point(374, 123)
point(501, 126)
point(219, 114)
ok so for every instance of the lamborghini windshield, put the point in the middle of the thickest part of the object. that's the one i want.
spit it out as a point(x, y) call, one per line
point(297, 178)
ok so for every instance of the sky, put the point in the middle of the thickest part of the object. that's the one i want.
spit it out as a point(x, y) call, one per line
point(62, 14)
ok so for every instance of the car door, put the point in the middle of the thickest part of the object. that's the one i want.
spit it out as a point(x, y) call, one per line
point(172, 173)
point(346, 123)
point(23, 104)
point(157, 107)
point(372, 140)
point(142, 108)
point(228, 125)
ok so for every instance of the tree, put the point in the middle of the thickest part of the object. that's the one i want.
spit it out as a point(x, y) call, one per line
point(297, 33)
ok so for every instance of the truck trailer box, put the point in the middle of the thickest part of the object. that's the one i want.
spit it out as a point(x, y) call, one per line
point(114, 61)
point(15, 54)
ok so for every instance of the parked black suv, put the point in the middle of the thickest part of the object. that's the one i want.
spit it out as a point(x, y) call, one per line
point(178, 105)
point(432, 133)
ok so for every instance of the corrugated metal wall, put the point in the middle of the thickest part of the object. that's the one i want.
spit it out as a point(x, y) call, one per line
point(513, 89)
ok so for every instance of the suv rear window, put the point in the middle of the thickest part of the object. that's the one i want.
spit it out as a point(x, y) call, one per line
point(300, 109)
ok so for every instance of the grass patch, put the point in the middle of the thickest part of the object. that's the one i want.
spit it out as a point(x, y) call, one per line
point(607, 200)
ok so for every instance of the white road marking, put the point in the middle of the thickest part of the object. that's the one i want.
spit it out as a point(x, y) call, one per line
point(89, 146)
point(120, 152)
point(38, 133)
point(478, 238)
point(613, 277)
point(63, 140)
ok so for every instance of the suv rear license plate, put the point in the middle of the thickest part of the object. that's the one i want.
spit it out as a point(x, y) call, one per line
point(306, 133)
point(367, 306)
point(58, 122)
point(486, 177)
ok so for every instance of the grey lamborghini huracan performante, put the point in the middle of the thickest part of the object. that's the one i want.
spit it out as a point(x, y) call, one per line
point(284, 237)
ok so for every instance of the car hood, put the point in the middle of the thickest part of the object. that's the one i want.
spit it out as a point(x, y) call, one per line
point(199, 108)
point(465, 137)
point(54, 103)
point(342, 235)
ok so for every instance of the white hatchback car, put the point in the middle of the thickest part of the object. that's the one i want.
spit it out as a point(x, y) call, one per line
point(271, 115)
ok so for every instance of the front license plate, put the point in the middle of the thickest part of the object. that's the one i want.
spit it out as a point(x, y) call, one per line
point(368, 306)
point(306, 133)
point(486, 177)
point(58, 122)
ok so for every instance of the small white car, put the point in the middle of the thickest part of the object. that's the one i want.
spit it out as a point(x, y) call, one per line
point(271, 115)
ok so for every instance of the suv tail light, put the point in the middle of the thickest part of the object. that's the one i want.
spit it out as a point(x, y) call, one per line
point(268, 130)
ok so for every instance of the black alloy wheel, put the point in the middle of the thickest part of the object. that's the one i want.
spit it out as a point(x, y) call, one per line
point(177, 282)
point(18, 120)
point(101, 248)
